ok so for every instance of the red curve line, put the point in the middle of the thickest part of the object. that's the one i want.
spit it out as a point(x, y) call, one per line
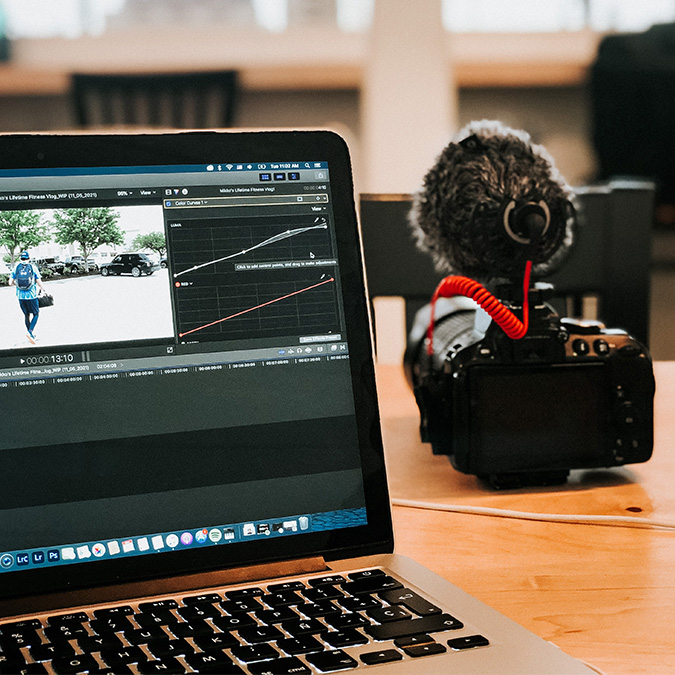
point(250, 309)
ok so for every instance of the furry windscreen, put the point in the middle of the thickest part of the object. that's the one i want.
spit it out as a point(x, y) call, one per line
point(457, 216)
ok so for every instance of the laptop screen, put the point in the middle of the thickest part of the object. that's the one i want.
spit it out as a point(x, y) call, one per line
point(189, 398)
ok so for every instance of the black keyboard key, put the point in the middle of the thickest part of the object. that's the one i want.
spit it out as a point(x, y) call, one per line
point(143, 636)
point(322, 593)
point(425, 624)
point(384, 614)
point(468, 642)
point(161, 649)
point(410, 640)
point(216, 641)
point(198, 612)
point(47, 652)
point(349, 637)
point(282, 599)
point(168, 665)
point(360, 603)
point(96, 643)
point(123, 656)
point(242, 593)
point(228, 623)
point(271, 616)
point(30, 625)
point(25, 669)
point(64, 633)
point(74, 664)
point(203, 599)
point(243, 605)
point(318, 609)
point(330, 580)
point(185, 629)
point(213, 662)
point(303, 627)
point(11, 660)
point(340, 621)
point(250, 653)
point(411, 600)
point(18, 638)
point(111, 624)
point(157, 606)
point(425, 650)
point(374, 584)
point(286, 586)
point(289, 665)
point(109, 612)
point(331, 661)
point(68, 619)
point(157, 618)
point(385, 656)
point(303, 644)
point(365, 574)
point(257, 634)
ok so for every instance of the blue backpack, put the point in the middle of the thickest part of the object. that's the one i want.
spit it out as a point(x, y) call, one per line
point(25, 276)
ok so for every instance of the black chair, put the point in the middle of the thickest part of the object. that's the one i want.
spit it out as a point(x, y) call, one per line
point(608, 269)
point(164, 100)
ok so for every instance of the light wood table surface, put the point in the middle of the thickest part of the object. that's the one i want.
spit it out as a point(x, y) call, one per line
point(604, 594)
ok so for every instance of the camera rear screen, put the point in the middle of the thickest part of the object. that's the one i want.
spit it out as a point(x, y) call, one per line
point(538, 418)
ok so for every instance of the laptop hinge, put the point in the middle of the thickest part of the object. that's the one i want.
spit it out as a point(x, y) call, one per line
point(159, 587)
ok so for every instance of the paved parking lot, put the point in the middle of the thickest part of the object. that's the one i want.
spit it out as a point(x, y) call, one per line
point(92, 309)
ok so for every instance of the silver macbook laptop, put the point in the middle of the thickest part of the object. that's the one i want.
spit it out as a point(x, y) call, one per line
point(191, 464)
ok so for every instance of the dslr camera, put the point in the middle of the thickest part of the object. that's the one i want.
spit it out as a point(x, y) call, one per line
point(516, 401)
point(568, 395)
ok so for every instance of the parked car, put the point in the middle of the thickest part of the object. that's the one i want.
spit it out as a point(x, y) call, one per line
point(76, 265)
point(135, 264)
point(52, 264)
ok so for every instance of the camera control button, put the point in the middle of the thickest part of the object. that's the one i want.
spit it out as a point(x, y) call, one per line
point(627, 414)
point(630, 350)
point(601, 347)
point(580, 347)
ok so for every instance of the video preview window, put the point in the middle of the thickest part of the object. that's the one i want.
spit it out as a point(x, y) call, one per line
point(105, 268)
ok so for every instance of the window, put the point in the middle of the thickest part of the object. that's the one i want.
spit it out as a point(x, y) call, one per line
point(75, 18)
point(520, 16)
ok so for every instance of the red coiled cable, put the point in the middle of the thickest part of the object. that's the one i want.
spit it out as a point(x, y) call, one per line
point(504, 317)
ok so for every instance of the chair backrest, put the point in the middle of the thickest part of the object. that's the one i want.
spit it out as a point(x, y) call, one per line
point(169, 100)
point(606, 277)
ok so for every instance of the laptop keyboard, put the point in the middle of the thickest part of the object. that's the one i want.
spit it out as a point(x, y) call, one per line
point(322, 624)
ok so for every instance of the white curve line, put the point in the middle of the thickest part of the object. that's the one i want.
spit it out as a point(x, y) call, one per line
point(271, 240)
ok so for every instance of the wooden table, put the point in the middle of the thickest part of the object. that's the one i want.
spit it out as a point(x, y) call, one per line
point(604, 594)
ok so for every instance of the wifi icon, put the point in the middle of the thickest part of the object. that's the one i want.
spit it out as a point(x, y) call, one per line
point(229, 166)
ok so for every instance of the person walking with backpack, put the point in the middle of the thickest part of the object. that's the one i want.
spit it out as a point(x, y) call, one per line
point(26, 277)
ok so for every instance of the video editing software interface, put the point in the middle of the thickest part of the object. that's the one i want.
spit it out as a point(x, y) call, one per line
point(200, 397)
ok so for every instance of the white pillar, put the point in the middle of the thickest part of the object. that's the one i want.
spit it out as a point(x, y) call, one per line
point(408, 100)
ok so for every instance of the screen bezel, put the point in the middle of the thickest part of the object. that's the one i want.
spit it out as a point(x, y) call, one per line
point(94, 150)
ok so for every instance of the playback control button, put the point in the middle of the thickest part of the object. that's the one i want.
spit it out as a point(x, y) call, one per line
point(580, 347)
point(627, 414)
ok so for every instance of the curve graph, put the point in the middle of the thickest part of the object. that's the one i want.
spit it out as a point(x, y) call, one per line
point(253, 277)
point(267, 242)
point(256, 307)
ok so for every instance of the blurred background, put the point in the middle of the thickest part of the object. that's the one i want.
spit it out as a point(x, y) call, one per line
point(396, 78)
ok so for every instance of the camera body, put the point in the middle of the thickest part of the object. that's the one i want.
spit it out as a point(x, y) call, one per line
point(569, 395)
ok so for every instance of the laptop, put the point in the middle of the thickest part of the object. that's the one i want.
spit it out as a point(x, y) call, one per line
point(192, 475)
